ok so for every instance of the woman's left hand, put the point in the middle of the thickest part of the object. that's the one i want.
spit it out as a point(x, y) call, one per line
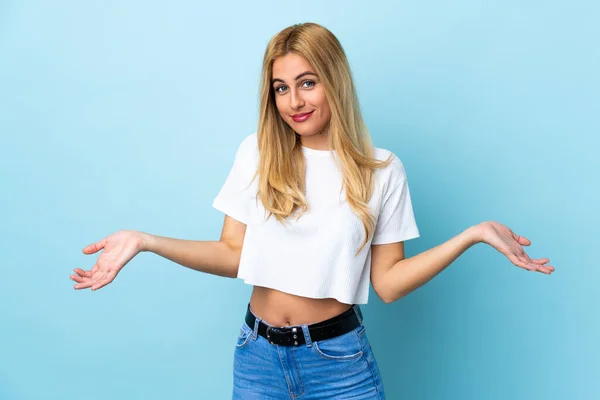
point(508, 243)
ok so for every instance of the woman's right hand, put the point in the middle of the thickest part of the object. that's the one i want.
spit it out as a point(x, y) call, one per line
point(119, 249)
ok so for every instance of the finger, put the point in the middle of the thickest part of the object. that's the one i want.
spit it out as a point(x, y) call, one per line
point(77, 278)
point(530, 265)
point(94, 247)
point(523, 241)
point(84, 285)
point(83, 273)
point(540, 261)
point(87, 282)
point(547, 268)
point(535, 264)
point(523, 262)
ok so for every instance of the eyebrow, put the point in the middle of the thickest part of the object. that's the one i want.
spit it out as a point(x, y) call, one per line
point(298, 77)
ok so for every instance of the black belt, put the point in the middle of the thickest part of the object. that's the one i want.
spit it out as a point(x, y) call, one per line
point(294, 336)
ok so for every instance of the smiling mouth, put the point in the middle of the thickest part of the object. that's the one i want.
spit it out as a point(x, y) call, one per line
point(302, 117)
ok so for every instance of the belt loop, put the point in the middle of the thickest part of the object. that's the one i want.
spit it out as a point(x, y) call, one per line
point(255, 329)
point(256, 322)
point(358, 312)
point(307, 337)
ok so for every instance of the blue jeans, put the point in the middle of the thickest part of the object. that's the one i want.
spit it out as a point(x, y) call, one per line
point(342, 367)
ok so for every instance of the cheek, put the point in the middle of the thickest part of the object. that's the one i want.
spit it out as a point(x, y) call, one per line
point(321, 101)
point(325, 110)
point(280, 107)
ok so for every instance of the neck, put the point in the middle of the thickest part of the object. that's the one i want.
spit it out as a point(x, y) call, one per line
point(319, 141)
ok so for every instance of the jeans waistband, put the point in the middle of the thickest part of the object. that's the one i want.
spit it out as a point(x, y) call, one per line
point(305, 327)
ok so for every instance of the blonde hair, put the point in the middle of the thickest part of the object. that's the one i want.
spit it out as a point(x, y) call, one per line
point(281, 168)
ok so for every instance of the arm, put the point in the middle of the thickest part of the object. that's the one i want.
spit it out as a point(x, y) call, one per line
point(393, 276)
point(220, 258)
point(214, 257)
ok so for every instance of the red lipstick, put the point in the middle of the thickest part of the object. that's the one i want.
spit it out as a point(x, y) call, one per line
point(302, 117)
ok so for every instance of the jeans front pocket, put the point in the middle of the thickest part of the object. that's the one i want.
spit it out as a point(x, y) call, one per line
point(344, 347)
point(244, 336)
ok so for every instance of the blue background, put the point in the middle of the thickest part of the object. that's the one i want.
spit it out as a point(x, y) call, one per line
point(126, 115)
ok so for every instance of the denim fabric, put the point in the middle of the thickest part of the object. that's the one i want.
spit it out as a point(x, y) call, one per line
point(342, 367)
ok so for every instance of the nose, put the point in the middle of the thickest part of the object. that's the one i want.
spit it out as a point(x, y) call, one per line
point(296, 100)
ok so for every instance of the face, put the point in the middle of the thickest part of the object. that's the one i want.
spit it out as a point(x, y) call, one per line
point(300, 96)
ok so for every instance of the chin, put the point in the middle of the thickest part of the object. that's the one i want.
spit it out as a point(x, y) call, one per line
point(307, 131)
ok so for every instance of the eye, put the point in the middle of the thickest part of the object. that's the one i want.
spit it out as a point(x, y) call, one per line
point(311, 83)
point(279, 87)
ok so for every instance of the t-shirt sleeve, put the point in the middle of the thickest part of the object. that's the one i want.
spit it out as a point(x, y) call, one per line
point(234, 198)
point(396, 221)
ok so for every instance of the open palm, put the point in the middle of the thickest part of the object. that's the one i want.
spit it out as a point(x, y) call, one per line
point(510, 244)
point(118, 249)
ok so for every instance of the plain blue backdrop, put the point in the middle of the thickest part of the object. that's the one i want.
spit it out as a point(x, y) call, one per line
point(126, 115)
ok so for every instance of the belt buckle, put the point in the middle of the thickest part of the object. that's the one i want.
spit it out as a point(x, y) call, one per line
point(269, 329)
point(292, 329)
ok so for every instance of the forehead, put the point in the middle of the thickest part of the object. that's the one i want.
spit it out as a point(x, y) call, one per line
point(288, 66)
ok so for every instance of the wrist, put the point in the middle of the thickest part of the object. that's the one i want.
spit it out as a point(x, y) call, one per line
point(146, 242)
point(474, 234)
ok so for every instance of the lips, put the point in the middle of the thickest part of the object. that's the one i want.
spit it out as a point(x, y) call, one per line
point(302, 117)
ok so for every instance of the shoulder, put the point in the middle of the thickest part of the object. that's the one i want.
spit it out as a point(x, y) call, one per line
point(395, 171)
point(248, 148)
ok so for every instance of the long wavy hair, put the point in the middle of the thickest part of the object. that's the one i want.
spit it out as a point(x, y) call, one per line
point(281, 168)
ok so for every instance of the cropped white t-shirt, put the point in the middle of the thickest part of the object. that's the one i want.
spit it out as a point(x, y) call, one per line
point(315, 256)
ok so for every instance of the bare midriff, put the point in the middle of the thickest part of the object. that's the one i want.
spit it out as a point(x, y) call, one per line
point(283, 309)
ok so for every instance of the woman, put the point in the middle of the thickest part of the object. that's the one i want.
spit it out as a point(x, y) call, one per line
point(313, 213)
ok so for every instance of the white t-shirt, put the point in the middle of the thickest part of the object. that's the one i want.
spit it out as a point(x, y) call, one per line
point(314, 256)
